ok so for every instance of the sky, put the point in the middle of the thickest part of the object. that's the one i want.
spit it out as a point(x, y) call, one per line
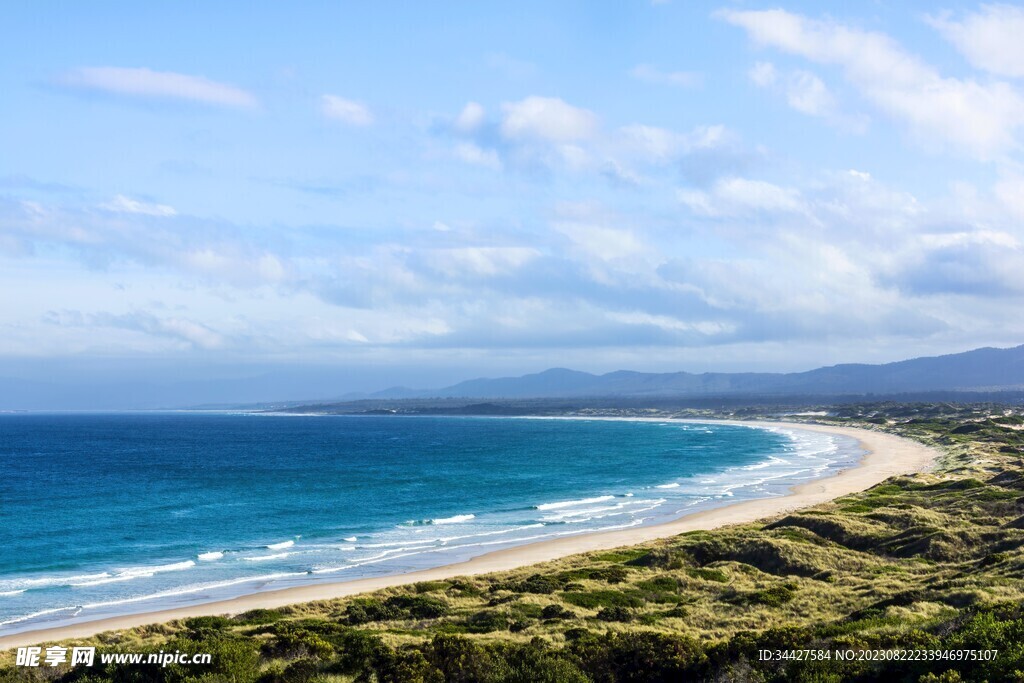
point(349, 196)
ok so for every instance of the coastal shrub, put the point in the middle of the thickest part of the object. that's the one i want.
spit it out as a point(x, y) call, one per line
point(716, 575)
point(660, 558)
point(214, 623)
point(614, 574)
point(357, 651)
point(232, 658)
point(535, 662)
point(603, 598)
point(994, 558)
point(637, 656)
point(503, 599)
point(461, 588)
point(557, 612)
point(301, 671)
point(772, 596)
point(624, 555)
point(258, 617)
point(418, 606)
point(798, 535)
point(486, 621)
point(623, 614)
point(538, 584)
point(527, 610)
point(365, 610)
point(460, 660)
point(405, 665)
point(430, 586)
point(970, 428)
point(665, 583)
point(298, 645)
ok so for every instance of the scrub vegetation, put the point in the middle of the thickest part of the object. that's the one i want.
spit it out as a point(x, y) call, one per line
point(928, 562)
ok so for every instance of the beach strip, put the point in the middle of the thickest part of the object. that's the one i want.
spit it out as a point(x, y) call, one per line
point(885, 455)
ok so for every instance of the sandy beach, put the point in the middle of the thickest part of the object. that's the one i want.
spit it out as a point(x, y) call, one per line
point(885, 456)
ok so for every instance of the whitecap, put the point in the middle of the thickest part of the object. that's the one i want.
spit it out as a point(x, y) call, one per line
point(262, 558)
point(133, 573)
point(571, 503)
point(457, 519)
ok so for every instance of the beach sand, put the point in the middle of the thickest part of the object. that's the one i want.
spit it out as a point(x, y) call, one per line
point(885, 456)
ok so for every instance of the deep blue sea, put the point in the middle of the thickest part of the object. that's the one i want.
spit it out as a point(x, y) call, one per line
point(105, 514)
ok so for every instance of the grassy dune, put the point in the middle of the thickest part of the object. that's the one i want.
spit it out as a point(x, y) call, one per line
point(931, 561)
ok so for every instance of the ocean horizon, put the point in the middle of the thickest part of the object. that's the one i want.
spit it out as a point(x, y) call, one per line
point(108, 514)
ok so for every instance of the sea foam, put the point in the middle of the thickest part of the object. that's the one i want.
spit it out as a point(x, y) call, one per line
point(133, 573)
point(571, 503)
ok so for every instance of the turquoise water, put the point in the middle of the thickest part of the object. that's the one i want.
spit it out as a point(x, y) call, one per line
point(119, 513)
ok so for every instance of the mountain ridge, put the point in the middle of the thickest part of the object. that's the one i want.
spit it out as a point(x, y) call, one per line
point(982, 369)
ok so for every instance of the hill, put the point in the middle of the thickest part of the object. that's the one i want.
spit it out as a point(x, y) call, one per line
point(980, 370)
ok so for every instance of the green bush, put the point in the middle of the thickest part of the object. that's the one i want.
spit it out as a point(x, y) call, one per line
point(487, 621)
point(622, 614)
point(607, 598)
point(773, 596)
point(716, 575)
point(557, 612)
point(298, 645)
point(258, 617)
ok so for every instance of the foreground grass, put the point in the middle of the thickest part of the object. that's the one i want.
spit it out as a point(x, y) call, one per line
point(930, 561)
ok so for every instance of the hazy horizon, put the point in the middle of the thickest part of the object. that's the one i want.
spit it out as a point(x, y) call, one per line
point(350, 198)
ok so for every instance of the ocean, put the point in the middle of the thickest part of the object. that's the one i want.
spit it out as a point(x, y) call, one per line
point(108, 514)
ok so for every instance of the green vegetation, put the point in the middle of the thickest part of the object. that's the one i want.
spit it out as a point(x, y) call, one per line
point(925, 562)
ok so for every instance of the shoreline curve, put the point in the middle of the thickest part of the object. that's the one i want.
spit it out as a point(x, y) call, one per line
point(884, 455)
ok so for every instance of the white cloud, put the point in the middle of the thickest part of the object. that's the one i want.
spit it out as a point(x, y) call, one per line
point(734, 196)
point(806, 93)
point(470, 118)
point(122, 204)
point(651, 74)
point(981, 119)
point(698, 201)
point(763, 74)
point(347, 111)
point(147, 83)
point(477, 156)
point(194, 334)
point(547, 118)
point(662, 145)
point(621, 175)
point(990, 39)
point(1010, 192)
point(607, 244)
point(481, 261)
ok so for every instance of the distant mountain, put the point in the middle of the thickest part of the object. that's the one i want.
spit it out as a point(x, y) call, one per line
point(984, 369)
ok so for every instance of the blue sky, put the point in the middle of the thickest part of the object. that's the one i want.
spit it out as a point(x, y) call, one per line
point(416, 193)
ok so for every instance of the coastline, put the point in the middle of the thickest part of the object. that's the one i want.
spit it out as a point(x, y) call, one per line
point(885, 455)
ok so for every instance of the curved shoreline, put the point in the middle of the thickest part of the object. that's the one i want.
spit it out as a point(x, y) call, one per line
point(885, 455)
